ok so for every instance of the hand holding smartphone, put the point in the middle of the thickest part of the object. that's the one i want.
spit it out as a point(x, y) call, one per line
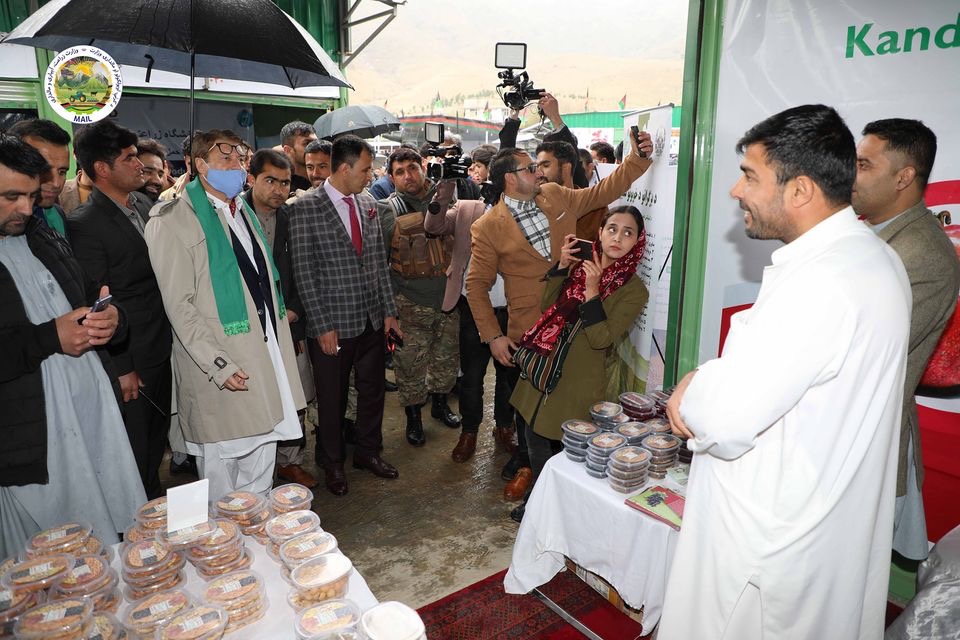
point(99, 305)
point(635, 131)
point(584, 250)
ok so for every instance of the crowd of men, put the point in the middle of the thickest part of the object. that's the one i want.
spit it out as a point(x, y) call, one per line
point(260, 281)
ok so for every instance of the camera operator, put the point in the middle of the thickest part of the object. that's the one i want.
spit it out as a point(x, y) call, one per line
point(427, 361)
point(466, 188)
point(550, 108)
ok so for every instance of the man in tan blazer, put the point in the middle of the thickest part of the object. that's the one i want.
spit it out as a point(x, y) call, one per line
point(894, 160)
point(238, 383)
point(521, 237)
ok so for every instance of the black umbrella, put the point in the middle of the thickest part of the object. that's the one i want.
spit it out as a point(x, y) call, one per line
point(239, 39)
point(361, 120)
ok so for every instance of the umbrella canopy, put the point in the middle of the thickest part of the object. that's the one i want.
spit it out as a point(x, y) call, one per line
point(239, 39)
point(366, 121)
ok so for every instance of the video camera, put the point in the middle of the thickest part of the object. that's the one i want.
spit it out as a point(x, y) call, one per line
point(510, 56)
point(454, 164)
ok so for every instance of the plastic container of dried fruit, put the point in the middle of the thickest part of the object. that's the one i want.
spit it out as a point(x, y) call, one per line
point(224, 538)
point(86, 575)
point(320, 620)
point(630, 458)
point(235, 591)
point(579, 429)
point(161, 574)
point(660, 444)
point(626, 487)
point(189, 536)
point(595, 474)
point(71, 618)
point(290, 497)
point(598, 467)
point(632, 476)
point(288, 525)
point(36, 573)
point(134, 593)
point(202, 622)
point(605, 443)
point(153, 515)
point(633, 431)
point(322, 578)
point(144, 616)
point(658, 425)
point(240, 506)
point(637, 402)
point(145, 558)
point(15, 602)
point(392, 621)
point(572, 443)
point(107, 627)
point(136, 533)
point(576, 457)
point(308, 546)
point(66, 538)
point(207, 572)
point(605, 411)
point(597, 457)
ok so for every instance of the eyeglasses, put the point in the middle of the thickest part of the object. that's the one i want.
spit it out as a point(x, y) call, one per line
point(226, 148)
point(530, 168)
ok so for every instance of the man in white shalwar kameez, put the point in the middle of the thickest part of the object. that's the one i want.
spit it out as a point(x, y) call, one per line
point(233, 352)
point(789, 514)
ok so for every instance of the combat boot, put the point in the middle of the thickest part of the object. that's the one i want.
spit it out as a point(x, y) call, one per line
point(415, 426)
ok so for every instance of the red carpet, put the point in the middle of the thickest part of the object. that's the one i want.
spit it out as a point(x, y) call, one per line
point(483, 611)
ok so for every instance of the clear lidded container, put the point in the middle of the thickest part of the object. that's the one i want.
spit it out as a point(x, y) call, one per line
point(38, 573)
point(320, 620)
point(579, 429)
point(202, 622)
point(189, 536)
point(290, 497)
point(70, 619)
point(307, 546)
point(323, 578)
point(145, 615)
point(68, 538)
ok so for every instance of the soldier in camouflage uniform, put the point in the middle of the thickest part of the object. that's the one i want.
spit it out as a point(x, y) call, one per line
point(426, 364)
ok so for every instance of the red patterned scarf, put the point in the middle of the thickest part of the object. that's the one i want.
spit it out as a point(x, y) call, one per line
point(542, 336)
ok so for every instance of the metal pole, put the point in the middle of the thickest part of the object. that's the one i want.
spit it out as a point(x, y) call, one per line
point(193, 71)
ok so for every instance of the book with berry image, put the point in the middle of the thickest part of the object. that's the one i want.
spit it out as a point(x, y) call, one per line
point(661, 503)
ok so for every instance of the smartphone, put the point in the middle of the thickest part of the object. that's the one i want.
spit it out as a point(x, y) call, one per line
point(584, 250)
point(636, 132)
point(99, 305)
point(393, 340)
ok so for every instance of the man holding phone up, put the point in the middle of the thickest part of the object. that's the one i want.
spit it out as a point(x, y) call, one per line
point(522, 236)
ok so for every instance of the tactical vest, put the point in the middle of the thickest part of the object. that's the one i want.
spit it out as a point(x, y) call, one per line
point(414, 253)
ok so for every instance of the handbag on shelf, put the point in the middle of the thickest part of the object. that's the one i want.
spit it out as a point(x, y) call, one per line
point(544, 370)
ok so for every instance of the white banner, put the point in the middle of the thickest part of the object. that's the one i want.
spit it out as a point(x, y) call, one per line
point(654, 194)
point(586, 136)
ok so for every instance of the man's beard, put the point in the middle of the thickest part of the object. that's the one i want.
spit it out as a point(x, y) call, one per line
point(145, 190)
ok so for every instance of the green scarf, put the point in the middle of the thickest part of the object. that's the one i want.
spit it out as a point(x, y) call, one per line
point(55, 221)
point(224, 270)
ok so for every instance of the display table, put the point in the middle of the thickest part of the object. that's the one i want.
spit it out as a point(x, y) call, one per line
point(571, 514)
point(277, 624)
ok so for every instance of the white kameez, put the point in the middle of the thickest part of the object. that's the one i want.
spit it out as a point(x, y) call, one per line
point(791, 491)
point(237, 464)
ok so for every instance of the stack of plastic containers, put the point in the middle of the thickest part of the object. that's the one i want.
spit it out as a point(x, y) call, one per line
point(575, 435)
point(327, 619)
point(659, 425)
point(634, 432)
point(72, 538)
point(151, 520)
point(663, 453)
point(242, 596)
point(606, 415)
point(203, 622)
point(660, 398)
point(304, 547)
point(289, 525)
point(150, 567)
point(289, 497)
point(61, 620)
point(145, 616)
point(13, 603)
point(223, 552)
point(248, 510)
point(323, 578)
point(627, 468)
point(37, 573)
point(638, 406)
point(684, 454)
point(599, 448)
point(91, 577)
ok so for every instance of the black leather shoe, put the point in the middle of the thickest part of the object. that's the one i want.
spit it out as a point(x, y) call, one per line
point(189, 466)
point(415, 426)
point(349, 431)
point(336, 481)
point(377, 466)
point(516, 514)
point(442, 411)
point(516, 462)
point(389, 387)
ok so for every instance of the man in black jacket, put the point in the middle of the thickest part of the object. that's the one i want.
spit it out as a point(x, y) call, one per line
point(60, 412)
point(53, 143)
point(269, 180)
point(106, 232)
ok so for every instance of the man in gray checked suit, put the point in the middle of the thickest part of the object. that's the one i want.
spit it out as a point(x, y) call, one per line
point(340, 267)
point(894, 160)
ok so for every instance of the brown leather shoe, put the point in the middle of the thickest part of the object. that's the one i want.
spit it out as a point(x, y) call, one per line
point(296, 473)
point(336, 480)
point(465, 447)
point(517, 488)
point(376, 465)
point(506, 438)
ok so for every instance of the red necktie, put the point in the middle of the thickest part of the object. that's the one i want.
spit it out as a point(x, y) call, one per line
point(233, 208)
point(354, 227)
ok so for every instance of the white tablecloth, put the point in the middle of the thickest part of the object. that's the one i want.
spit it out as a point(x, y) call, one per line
point(572, 514)
point(277, 624)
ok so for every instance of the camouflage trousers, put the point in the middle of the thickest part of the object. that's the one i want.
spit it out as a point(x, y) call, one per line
point(429, 359)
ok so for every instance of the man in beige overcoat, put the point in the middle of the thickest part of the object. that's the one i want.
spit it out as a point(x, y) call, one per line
point(894, 160)
point(238, 386)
